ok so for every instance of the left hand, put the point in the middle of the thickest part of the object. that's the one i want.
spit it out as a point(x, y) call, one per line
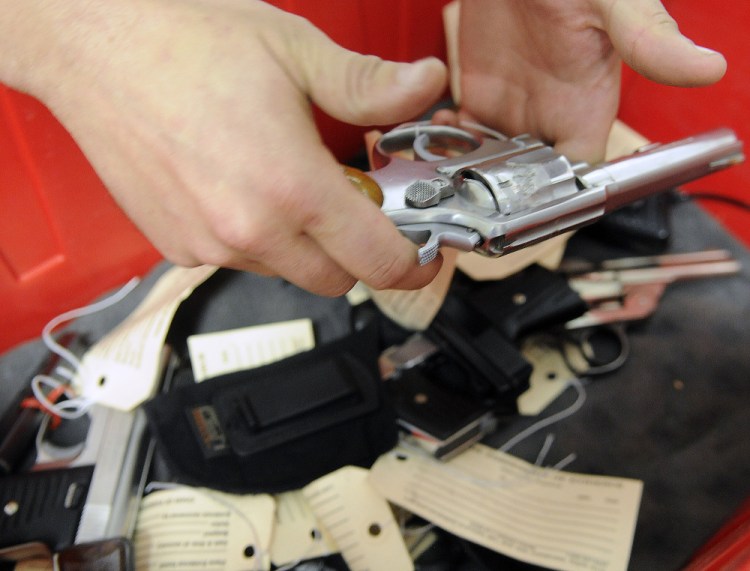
point(552, 67)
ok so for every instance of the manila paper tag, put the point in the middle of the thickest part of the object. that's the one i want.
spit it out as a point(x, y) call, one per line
point(297, 534)
point(197, 528)
point(360, 521)
point(124, 368)
point(222, 352)
point(546, 517)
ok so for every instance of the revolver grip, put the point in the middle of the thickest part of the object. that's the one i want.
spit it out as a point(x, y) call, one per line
point(365, 184)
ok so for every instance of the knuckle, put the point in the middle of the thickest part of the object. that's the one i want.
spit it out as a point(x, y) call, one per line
point(180, 258)
point(358, 83)
point(657, 23)
point(296, 200)
point(236, 232)
point(204, 252)
point(179, 252)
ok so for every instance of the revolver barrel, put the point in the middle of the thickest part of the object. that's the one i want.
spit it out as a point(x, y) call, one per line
point(660, 167)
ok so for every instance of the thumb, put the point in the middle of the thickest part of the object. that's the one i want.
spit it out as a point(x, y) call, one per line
point(367, 90)
point(649, 41)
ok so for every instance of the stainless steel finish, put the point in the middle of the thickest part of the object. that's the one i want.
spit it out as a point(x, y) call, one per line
point(659, 167)
point(415, 350)
point(117, 446)
point(629, 289)
point(480, 191)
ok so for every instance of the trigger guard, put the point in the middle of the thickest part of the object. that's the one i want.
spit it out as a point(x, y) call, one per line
point(412, 137)
point(420, 148)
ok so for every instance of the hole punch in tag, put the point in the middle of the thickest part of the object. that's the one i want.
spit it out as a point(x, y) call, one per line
point(360, 520)
point(297, 534)
point(186, 527)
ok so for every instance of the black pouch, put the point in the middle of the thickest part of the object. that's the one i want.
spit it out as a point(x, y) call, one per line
point(278, 427)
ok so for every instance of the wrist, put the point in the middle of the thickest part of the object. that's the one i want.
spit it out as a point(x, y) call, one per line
point(44, 43)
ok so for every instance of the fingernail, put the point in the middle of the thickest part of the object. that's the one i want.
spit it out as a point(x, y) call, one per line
point(412, 74)
point(707, 51)
point(702, 49)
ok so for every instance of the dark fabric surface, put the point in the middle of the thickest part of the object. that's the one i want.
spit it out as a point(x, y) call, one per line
point(676, 415)
point(689, 445)
point(281, 426)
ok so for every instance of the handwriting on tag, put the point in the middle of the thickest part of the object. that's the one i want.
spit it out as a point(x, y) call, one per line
point(546, 517)
point(197, 528)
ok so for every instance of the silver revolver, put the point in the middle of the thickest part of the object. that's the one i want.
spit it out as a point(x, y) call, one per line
point(474, 189)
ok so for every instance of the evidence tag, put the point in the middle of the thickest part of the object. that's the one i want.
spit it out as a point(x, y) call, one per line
point(297, 534)
point(360, 521)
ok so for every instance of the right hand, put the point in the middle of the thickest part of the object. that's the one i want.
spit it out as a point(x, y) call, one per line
point(552, 67)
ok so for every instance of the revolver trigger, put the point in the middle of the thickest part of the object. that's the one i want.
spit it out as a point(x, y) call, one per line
point(429, 251)
point(462, 239)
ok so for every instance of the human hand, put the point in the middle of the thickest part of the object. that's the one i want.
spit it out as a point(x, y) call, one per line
point(552, 68)
point(196, 116)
